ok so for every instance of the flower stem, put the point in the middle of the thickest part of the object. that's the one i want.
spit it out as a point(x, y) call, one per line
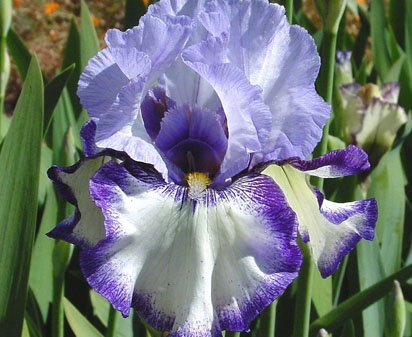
point(232, 334)
point(289, 10)
point(111, 324)
point(57, 308)
point(303, 295)
point(268, 322)
point(325, 88)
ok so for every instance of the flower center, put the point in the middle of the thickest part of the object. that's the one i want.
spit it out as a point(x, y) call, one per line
point(197, 182)
point(192, 139)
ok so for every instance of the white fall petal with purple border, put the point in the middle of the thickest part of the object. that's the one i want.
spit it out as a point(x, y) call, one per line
point(191, 267)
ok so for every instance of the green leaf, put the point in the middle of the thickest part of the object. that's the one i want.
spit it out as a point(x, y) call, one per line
point(5, 16)
point(18, 52)
point(397, 20)
point(379, 47)
point(44, 181)
point(321, 293)
point(63, 120)
point(406, 74)
point(52, 93)
point(78, 323)
point(71, 55)
point(348, 329)
point(41, 273)
point(101, 308)
point(395, 70)
point(89, 44)
point(388, 187)
point(19, 180)
point(355, 304)
point(371, 271)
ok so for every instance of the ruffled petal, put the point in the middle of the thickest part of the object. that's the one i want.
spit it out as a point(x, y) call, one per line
point(85, 226)
point(160, 38)
point(332, 230)
point(338, 163)
point(100, 83)
point(283, 61)
point(192, 267)
point(115, 81)
point(248, 118)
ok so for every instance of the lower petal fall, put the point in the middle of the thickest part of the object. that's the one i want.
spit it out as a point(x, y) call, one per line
point(192, 267)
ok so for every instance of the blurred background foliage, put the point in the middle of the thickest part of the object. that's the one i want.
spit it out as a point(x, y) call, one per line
point(44, 47)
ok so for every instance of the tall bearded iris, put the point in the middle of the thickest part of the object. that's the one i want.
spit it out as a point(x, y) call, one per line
point(173, 215)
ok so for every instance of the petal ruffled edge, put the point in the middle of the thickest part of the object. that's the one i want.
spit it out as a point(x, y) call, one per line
point(84, 227)
point(337, 163)
point(353, 220)
point(114, 185)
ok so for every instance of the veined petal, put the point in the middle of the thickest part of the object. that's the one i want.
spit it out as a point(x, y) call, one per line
point(160, 38)
point(332, 230)
point(338, 163)
point(192, 267)
point(85, 227)
point(248, 118)
point(100, 83)
point(283, 61)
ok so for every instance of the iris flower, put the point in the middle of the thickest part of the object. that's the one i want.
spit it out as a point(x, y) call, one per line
point(174, 216)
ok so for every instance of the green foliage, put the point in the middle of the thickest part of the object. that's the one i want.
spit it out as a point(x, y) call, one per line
point(19, 180)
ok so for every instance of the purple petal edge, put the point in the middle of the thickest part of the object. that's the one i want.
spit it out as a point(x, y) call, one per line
point(105, 191)
point(338, 163)
point(368, 208)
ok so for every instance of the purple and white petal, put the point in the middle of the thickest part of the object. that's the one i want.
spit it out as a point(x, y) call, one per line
point(347, 223)
point(332, 230)
point(380, 124)
point(283, 61)
point(192, 267)
point(337, 163)
point(248, 118)
point(390, 91)
point(85, 226)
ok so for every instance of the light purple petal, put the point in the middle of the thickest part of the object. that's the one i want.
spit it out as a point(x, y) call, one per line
point(192, 267)
point(122, 130)
point(248, 118)
point(338, 163)
point(100, 83)
point(283, 61)
point(161, 39)
point(114, 83)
